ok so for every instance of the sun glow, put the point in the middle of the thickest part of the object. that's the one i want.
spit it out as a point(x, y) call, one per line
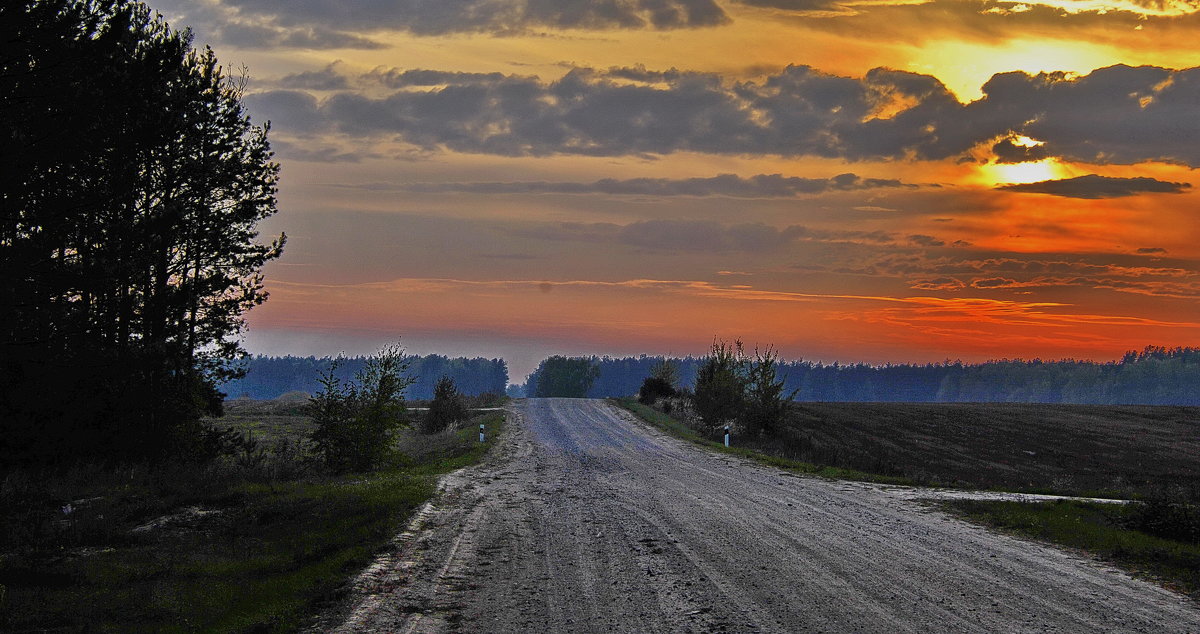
point(964, 66)
point(1018, 173)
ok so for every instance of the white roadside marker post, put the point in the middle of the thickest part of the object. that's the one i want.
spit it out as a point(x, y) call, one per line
point(480, 432)
point(727, 435)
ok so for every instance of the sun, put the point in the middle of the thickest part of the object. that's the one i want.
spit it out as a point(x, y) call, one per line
point(994, 174)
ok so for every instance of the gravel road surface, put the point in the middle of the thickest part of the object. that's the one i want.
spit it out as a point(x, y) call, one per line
point(587, 520)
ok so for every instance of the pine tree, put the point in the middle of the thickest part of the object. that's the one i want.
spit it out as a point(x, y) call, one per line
point(445, 409)
point(131, 185)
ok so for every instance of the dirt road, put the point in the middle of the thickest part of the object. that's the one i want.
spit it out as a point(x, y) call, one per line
point(586, 520)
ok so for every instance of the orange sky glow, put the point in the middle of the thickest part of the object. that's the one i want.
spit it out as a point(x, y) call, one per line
point(852, 181)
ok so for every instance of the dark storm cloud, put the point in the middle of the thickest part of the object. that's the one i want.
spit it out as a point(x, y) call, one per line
point(1094, 186)
point(1117, 114)
point(758, 186)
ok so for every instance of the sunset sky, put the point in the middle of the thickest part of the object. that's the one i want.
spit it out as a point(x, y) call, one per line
point(869, 180)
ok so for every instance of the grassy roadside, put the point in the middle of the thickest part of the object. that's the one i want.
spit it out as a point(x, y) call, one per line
point(224, 555)
point(1101, 530)
point(679, 430)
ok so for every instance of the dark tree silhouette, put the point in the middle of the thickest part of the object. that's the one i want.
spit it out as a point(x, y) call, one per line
point(1153, 376)
point(766, 404)
point(660, 383)
point(720, 384)
point(445, 409)
point(563, 377)
point(269, 377)
point(131, 185)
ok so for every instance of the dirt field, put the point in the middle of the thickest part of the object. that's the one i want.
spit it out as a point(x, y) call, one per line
point(587, 520)
point(1074, 449)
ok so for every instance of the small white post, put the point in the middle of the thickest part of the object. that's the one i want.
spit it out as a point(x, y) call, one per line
point(727, 435)
point(480, 432)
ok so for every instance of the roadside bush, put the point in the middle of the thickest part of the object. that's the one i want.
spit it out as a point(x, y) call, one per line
point(765, 403)
point(720, 385)
point(660, 383)
point(445, 409)
point(356, 422)
point(654, 388)
point(1168, 514)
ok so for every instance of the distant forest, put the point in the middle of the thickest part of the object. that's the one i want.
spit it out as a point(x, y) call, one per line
point(270, 377)
point(1153, 376)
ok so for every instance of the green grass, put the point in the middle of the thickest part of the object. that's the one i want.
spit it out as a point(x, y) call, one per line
point(1102, 530)
point(679, 430)
point(270, 554)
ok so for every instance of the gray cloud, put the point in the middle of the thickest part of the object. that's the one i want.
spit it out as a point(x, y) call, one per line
point(220, 23)
point(1093, 186)
point(320, 153)
point(402, 78)
point(334, 24)
point(938, 284)
point(471, 16)
point(1127, 273)
point(1001, 8)
point(1152, 251)
point(1008, 152)
point(926, 241)
point(673, 235)
point(1117, 114)
point(325, 24)
point(294, 111)
point(993, 282)
point(697, 235)
point(758, 186)
point(1183, 289)
point(327, 78)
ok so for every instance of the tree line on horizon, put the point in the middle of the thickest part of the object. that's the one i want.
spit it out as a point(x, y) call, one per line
point(268, 377)
point(1153, 376)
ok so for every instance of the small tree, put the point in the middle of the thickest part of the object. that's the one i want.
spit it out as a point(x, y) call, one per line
point(357, 422)
point(765, 403)
point(720, 384)
point(446, 407)
point(660, 383)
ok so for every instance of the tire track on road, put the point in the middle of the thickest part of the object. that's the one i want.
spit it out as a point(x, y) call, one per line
point(586, 520)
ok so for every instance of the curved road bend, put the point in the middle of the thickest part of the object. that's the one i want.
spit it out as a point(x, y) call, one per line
point(586, 520)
